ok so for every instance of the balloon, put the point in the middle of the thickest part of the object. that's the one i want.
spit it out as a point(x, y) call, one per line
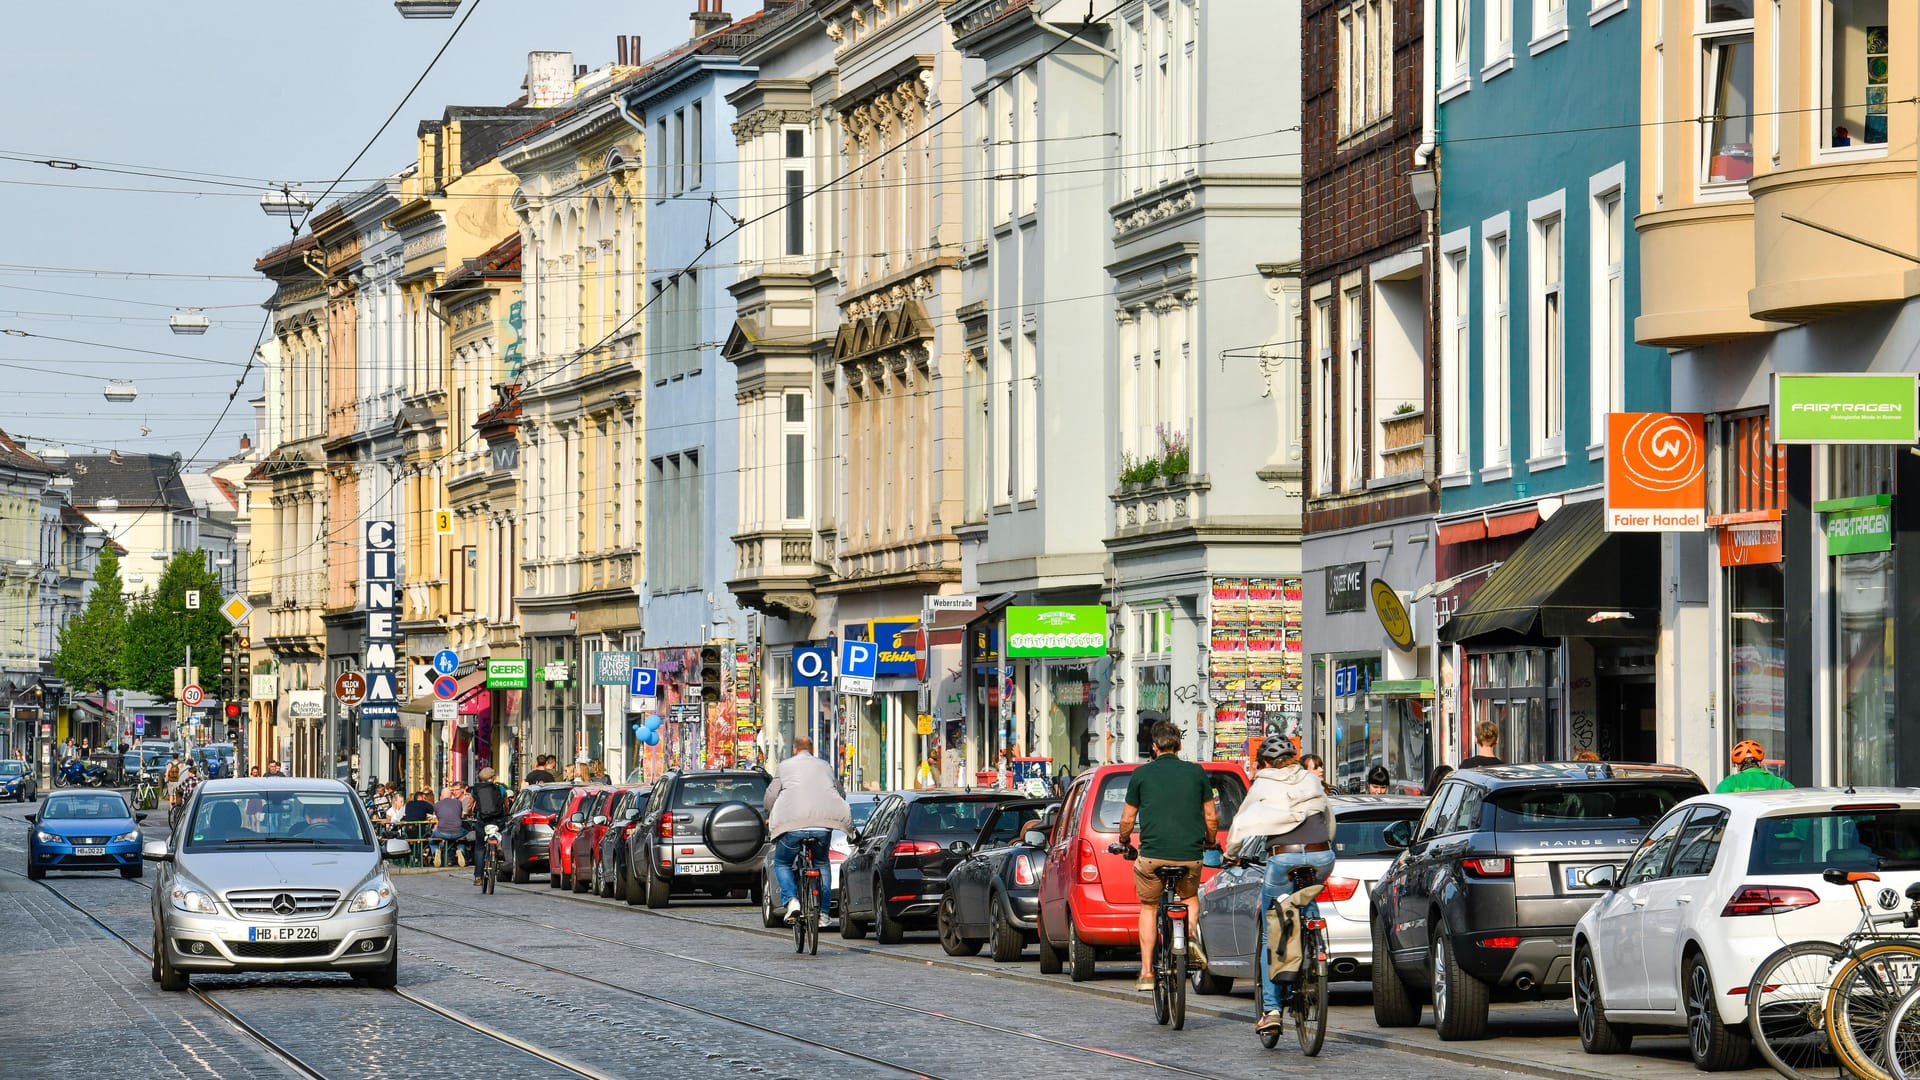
point(651, 738)
point(653, 722)
point(639, 732)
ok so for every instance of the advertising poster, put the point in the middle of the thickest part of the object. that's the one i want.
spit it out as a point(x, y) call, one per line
point(1256, 661)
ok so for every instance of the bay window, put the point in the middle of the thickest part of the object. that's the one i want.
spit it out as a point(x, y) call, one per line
point(1854, 58)
point(1726, 106)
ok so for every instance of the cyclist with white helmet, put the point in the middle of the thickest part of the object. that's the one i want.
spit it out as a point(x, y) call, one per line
point(1287, 808)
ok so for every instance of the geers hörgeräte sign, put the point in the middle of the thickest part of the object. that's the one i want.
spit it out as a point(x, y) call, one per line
point(1072, 630)
point(1823, 408)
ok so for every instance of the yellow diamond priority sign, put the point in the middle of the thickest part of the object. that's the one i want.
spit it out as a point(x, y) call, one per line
point(236, 610)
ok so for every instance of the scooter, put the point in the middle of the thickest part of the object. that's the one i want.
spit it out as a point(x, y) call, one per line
point(76, 771)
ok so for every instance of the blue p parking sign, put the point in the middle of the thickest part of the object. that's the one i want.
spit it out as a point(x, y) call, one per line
point(644, 682)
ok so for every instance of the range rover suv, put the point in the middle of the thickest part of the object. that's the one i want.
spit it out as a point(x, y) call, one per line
point(1482, 901)
point(704, 831)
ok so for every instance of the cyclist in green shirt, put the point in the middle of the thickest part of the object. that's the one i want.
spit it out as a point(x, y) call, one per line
point(1174, 803)
point(1749, 774)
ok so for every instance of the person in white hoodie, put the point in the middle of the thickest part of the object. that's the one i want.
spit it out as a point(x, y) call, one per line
point(1286, 807)
point(812, 809)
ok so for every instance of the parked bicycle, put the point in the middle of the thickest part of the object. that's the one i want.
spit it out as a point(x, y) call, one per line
point(1301, 927)
point(1169, 942)
point(806, 925)
point(146, 791)
point(1820, 1009)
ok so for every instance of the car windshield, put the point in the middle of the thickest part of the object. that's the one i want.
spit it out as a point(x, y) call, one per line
point(1878, 839)
point(1585, 806)
point(955, 819)
point(89, 807)
point(1360, 835)
point(1227, 793)
point(715, 790)
point(549, 800)
point(862, 810)
point(273, 817)
point(1005, 826)
point(13, 768)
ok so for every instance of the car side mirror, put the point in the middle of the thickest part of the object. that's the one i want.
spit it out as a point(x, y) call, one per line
point(1600, 877)
point(1034, 838)
point(31, 818)
point(599, 820)
point(156, 851)
point(577, 819)
point(853, 836)
point(397, 849)
point(140, 816)
point(959, 847)
point(1398, 835)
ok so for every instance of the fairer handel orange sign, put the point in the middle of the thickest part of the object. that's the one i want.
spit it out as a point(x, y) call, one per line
point(1656, 472)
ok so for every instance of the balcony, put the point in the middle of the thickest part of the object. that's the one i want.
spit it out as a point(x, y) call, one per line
point(1696, 269)
point(774, 571)
point(1802, 272)
point(1160, 505)
point(1403, 445)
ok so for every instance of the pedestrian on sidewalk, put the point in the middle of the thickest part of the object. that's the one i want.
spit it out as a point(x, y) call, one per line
point(1486, 746)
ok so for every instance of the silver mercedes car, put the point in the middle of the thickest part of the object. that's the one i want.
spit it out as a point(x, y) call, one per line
point(274, 874)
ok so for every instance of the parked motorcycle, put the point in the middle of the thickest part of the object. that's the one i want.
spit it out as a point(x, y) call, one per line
point(74, 772)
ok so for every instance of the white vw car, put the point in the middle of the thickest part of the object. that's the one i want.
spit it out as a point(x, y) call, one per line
point(1719, 883)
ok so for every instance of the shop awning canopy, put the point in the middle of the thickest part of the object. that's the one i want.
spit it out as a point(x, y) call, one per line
point(1571, 578)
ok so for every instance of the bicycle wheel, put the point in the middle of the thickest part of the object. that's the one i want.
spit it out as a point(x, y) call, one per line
point(1177, 982)
point(810, 915)
point(1310, 996)
point(1866, 989)
point(1787, 1010)
point(1162, 1003)
point(1903, 1038)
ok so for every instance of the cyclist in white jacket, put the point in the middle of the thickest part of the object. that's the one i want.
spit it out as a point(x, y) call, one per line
point(1287, 807)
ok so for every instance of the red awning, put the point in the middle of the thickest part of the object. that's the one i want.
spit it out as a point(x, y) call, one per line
point(1488, 526)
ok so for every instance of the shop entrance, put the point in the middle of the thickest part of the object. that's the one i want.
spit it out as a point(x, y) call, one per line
point(1624, 704)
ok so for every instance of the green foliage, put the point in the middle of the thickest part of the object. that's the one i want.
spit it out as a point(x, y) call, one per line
point(1138, 470)
point(159, 627)
point(88, 654)
point(1175, 455)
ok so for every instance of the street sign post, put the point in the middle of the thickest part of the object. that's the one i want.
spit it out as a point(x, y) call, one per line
point(859, 664)
point(236, 609)
point(446, 662)
point(445, 687)
point(349, 689)
point(193, 599)
point(192, 695)
point(444, 711)
point(139, 726)
point(644, 682)
point(813, 666)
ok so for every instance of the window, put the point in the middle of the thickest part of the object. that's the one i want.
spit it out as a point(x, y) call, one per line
point(796, 191)
point(1547, 352)
point(676, 512)
point(673, 326)
point(1607, 249)
point(1441, 812)
point(1727, 91)
point(1499, 53)
point(1000, 393)
point(1699, 842)
point(1353, 393)
point(1366, 64)
point(1455, 41)
point(1850, 839)
point(1651, 858)
point(1456, 389)
point(1495, 351)
point(1026, 408)
point(794, 435)
point(1549, 25)
point(695, 142)
point(661, 159)
point(679, 149)
point(1323, 396)
point(1854, 54)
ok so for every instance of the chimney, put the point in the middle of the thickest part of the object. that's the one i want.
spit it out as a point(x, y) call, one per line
point(246, 443)
point(549, 79)
point(621, 51)
point(709, 18)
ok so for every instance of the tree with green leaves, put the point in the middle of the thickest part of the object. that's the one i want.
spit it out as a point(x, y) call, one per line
point(88, 656)
point(160, 627)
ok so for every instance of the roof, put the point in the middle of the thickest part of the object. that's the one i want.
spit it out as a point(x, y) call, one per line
point(502, 260)
point(13, 455)
point(136, 480)
point(1788, 799)
point(1561, 772)
point(1568, 579)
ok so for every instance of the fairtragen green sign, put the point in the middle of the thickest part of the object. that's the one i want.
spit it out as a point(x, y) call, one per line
point(1845, 408)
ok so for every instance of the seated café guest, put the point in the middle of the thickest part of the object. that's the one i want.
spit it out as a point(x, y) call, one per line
point(418, 808)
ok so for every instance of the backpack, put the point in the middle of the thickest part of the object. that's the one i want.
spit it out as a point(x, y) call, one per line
point(173, 772)
point(488, 803)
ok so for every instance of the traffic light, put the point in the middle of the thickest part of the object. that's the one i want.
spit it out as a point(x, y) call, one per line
point(243, 670)
point(226, 669)
point(710, 673)
point(233, 710)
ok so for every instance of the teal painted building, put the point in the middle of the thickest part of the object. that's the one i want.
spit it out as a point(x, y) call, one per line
point(1538, 138)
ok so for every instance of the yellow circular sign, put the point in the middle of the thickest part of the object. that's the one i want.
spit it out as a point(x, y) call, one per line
point(1393, 614)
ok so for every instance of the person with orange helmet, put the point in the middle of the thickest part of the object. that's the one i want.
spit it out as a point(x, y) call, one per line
point(1749, 771)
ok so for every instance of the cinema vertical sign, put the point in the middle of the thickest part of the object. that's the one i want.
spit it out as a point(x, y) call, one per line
point(380, 711)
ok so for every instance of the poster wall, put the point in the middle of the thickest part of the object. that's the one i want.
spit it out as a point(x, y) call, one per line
point(1256, 661)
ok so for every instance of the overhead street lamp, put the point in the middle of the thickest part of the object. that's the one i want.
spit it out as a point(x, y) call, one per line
point(426, 9)
point(121, 390)
point(190, 320)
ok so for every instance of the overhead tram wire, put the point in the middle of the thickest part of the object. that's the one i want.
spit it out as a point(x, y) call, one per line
point(328, 534)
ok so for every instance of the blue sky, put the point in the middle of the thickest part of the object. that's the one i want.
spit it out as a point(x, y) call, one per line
point(242, 90)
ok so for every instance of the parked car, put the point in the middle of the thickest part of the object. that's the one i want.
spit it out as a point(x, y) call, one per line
point(862, 804)
point(526, 839)
point(214, 760)
point(1088, 907)
point(274, 874)
point(144, 759)
point(1230, 911)
point(610, 869)
point(1483, 902)
point(898, 870)
point(704, 831)
point(17, 782)
point(572, 819)
point(993, 892)
point(84, 830)
point(586, 843)
point(1719, 884)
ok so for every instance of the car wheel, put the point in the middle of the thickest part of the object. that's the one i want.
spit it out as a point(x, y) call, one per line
point(1080, 955)
point(851, 929)
point(1713, 1046)
point(35, 873)
point(522, 873)
point(1459, 999)
point(1007, 942)
point(632, 889)
point(770, 918)
point(384, 977)
point(952, 942)
point(1050, 959)
point(171, 979)
point(154, 970)
point(887, 930)
point(659, 893)
point(553, 872)
point(1393, 1005)
point(574, 880)
point(134, 871)
point(1597, 1036)
point(1206, 982)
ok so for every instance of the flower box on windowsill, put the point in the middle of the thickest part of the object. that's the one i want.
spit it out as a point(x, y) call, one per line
point(1164, 504)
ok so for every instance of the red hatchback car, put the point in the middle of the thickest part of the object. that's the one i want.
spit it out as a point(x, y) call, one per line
point(1088, 908)
point(573, 818)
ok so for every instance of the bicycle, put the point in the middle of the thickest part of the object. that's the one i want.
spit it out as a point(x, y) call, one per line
point(1308, 1005)
point(806, 925)
point(1169, 942)
point(490, 859)
point(146, 791)
point(1801, 1007)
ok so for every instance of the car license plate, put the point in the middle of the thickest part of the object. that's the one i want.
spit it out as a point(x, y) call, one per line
point(89, 851)
point(283, 933)
point(1573, 877)
point(696, 868)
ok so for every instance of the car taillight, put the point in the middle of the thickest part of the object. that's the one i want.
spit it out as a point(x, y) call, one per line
point(1488, 867)
point(666, 826)
point(538, 819)
point(1089, 866)
point(1022, 870)
point(1339, 888)
point(836, 857)
point(1500, 942)
point(1768, 900)
point(915, 847)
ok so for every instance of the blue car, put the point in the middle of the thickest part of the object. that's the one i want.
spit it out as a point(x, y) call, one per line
point(84, 830)
point(16, 781)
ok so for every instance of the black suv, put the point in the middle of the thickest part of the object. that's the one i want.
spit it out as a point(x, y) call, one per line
point(1483, 901)
point(704, 831)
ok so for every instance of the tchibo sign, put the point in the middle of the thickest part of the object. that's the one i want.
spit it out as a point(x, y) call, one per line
point(382, 703)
